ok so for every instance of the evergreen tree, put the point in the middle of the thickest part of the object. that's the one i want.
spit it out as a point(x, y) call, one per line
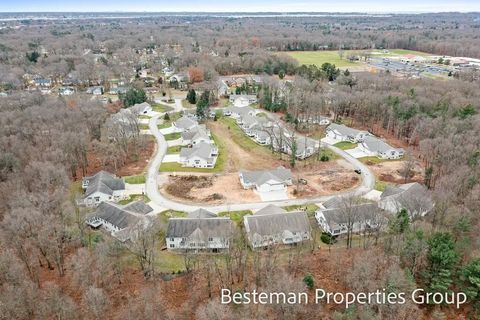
point(442, 258)
point(133, 96)
point(202, 105)
point(192, 96)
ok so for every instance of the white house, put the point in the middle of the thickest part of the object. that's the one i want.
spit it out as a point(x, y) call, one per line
point(238, 112)
point(242, 100)
point(200, 230)
point(201, 155)
point(102, 186)
point(66, 91)
point(373, 146)
point(122, 222)
point(273, 225)
point(262, 137)
point(95, 90)
point(413, 197)
point(320, 120)
point(266, 180)
point(185, 123)
point(196, 135)
point(343, 133)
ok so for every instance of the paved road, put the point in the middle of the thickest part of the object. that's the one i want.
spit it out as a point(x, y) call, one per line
point(154, 180)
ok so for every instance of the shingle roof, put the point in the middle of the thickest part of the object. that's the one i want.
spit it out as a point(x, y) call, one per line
point(271, 209)
point(376, 145)
point(139, 107)
point(185, 123)
point(274, 224)
point(104, 182)
point(411, 196)
point(337, 216)
point(139, 207)
point(343, 130)
point(279, 174)
point(201, 214)
point(201, 150)
point(115, 214)
point(197, 132)
point(200, 228)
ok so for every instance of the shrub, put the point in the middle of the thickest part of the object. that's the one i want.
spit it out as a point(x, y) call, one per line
point(309, 281)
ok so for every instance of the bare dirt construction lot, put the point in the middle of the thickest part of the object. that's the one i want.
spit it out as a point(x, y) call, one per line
point(392, 171)
point(323, 178)
point(207, 188)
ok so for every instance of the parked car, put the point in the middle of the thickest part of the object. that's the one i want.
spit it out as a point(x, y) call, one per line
point(302, 181)
point(358, 171)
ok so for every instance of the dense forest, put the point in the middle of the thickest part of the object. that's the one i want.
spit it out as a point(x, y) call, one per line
point(52, 268)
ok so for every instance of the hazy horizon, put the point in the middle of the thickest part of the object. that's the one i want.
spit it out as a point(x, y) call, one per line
point(247, 6)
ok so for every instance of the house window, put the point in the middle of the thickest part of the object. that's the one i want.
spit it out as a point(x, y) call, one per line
point(210, 239)
point(192, 244)
point(172, 239)
point(97, 199)
point(172, 246)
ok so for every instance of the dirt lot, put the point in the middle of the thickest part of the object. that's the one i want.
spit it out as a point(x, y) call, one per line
point(322, 179)
point(391, 171)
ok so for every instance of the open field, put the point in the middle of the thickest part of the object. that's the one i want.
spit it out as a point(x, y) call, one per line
point(320, 57)
point(139, 179)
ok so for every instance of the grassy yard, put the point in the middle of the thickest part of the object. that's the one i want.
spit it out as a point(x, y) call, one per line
point(168, 123)
point(261, 114)
point(134, 197)
point(143, 117)
point(174, 149)
point(380, 185)
point(187, 104)
point(240, 138)
point(158, 107)
point(320, 57)
point(309, 208)
point(167, 214)
point(173, 136)
point(345, 145)
point(236, 216)
point(135, 179)
point(143, 126)
point(374, 160)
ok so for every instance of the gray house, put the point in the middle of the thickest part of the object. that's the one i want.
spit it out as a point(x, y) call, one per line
point(373, 146)
point(122, 222)
point(413, 197)
point(185, 123)
point(266, 180)
point(103, 186)
point(196, 135)
point(273, 225)
point(200, 230)
point(343, 133)
point(201, 155)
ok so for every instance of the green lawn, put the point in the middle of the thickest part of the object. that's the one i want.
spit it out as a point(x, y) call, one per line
point(320, 57)
point(345, 145)
point(168, 123)
point(143, 126)
point(174, 149)
point(380, 185)
point(236, 216)
point(158, 107)
point(135, 179)
point(240, 138)
point(309, 208)
point(167, 214)
point(219, 165)
point(134, 197)
point(374, 160)
point(261, 114)
point(187, 104)
point(143, 117)
point(173, 136)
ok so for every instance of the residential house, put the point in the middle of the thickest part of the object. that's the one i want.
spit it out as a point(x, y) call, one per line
point(373, 146)
point(66, 91)
point(273, 225)
point(250, 124)
point(196, 135)
point(242, 100)
point(222, 88)
point(343, 133)
point(103, 186)
point(266, 180)
point(122, 222)
point(117, 90)
point(304, 146)
point(201, 155)
point(185, 123)
point(42, 82)
point(338, 217)
point(95, 90)
point(200, 230)
point(141, 108)
point(191, 113)
point(237, 112)
point(262, 137)
point(320, 120)
point(413, 197)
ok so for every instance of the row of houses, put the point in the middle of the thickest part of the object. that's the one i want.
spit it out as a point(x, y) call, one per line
point(272, 225)
point(367, 143)
point(264, 132)
point(200, 150)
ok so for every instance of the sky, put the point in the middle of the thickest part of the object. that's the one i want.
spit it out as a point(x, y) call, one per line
point(370, 6)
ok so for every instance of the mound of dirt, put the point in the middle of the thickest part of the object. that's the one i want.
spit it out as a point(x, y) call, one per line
point(180, 186)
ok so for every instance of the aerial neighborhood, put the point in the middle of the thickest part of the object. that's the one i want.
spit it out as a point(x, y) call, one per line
point(180, 165)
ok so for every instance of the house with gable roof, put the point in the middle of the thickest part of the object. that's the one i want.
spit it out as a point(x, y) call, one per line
point(103, 186)
point(272, 225)
point(266, 180)
point(201, 155)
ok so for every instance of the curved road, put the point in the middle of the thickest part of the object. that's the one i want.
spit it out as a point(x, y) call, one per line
point(153, 179)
